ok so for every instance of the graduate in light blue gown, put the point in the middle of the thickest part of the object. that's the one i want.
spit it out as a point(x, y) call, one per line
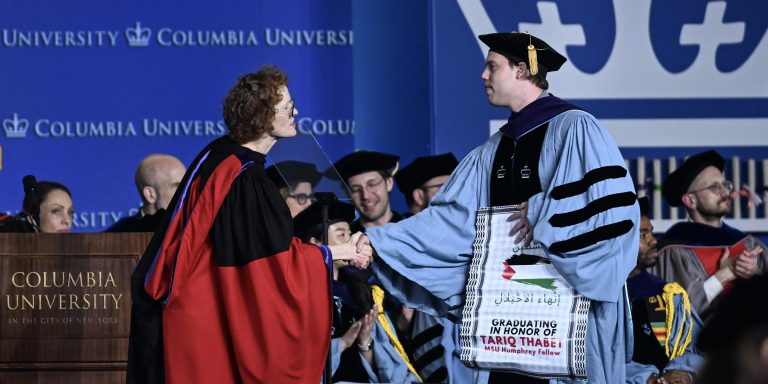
point(580, 199)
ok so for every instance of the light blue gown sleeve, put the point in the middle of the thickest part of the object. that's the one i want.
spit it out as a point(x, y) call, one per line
point(691, 361)
point(389, 366)
point(586, 216)
point(423, 259)
point(639, 373)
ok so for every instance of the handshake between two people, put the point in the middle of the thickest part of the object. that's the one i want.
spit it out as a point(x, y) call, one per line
point(356, 251)
point(359, 252)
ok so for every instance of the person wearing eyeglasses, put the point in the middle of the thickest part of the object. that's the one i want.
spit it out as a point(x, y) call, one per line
point(224, 292)
point(296, 180)
point(704, 254)
point(368, 177)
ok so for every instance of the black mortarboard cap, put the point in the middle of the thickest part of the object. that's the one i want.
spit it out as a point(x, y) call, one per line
point(292, 172)
point(424, 168)
point(645, 206)
point(676, 184)
point(359, 162)
point(528, 48)
point(310, 220)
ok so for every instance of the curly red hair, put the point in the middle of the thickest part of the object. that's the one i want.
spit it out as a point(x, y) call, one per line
point(249, 107)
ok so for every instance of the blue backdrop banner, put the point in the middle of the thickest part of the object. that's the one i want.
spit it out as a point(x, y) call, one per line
point(90, 88)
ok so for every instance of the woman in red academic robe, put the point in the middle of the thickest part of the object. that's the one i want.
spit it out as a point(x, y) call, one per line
point(224, 293)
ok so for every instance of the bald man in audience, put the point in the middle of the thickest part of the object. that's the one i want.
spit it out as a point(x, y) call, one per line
point(156, 178)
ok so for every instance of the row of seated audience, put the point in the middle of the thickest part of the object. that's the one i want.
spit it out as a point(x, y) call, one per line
point(678, 281)
point(48, 207)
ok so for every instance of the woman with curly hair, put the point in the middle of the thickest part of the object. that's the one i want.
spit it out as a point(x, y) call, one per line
point(224, 292)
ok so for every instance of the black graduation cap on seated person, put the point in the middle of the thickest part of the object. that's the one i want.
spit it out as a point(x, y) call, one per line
point(310, 220)
point(359, 162)
point(645, 206)
point(293, 171)
point(526, 47)
point(424, 168)
point(676, 184)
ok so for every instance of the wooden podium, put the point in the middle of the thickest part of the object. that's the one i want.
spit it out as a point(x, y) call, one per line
point(66, 304)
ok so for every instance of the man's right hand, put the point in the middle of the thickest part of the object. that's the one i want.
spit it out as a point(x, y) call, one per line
point(522, 227)
point(360, 257)
point(742, 266)
point(362, 242)
point(745, 265)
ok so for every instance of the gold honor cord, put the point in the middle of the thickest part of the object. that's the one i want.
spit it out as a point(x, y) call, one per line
point(670, 290)
point(378, 299)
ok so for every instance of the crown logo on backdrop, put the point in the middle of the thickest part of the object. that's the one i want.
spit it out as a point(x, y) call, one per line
point(138, 36)
point(15, 128)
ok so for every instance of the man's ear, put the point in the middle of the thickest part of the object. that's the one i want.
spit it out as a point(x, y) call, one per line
point(390, 184)
point(149, 193)
point(521, 67)
point(419, 197)
point(689, 201)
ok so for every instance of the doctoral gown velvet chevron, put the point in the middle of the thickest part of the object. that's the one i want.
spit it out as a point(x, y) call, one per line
point(224, 293)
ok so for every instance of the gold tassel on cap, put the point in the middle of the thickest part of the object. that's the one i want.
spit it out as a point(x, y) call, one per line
point(533, 62)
